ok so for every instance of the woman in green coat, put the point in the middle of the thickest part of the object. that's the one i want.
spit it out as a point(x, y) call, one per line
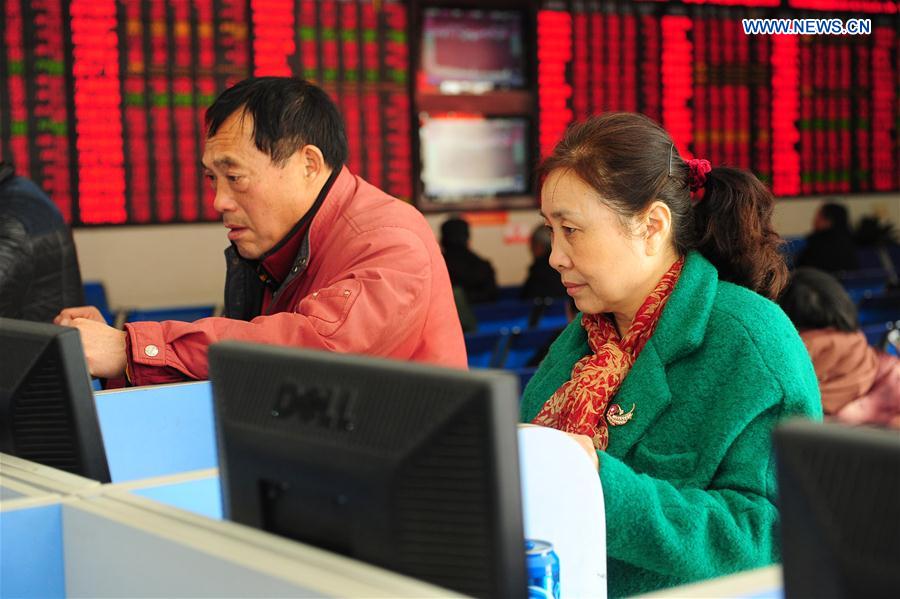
point(680, 365)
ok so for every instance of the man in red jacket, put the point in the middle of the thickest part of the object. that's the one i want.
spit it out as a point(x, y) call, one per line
point(319, 258)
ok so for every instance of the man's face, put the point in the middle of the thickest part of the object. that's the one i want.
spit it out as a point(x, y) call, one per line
point(259, 201)
point(821, 222)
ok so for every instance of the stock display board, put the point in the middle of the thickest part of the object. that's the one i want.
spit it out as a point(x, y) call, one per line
point(102, 101)
point(809, 114)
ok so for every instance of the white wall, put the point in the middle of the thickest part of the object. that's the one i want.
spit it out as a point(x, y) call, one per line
point(156, 266)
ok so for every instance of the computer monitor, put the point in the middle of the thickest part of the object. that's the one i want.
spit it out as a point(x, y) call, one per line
point(839, 500)
point(473, 156)
point(47, 411)
point(472, 50)
point(409, 467)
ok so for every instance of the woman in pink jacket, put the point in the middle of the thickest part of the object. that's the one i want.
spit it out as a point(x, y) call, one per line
point(859, 383)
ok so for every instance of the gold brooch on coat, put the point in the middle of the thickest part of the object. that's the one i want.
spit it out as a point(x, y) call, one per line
point(617, 417)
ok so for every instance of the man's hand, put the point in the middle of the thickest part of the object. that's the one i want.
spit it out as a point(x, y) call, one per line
point(587, 444)
point(104, 346)
point(66, 317)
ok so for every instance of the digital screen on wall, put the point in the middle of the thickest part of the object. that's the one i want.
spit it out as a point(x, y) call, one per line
point(472, 51)
point(810, 114)
point(470, 156)
point(102, 101)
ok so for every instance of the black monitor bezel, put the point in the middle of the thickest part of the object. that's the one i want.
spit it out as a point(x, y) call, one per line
point(79, 405)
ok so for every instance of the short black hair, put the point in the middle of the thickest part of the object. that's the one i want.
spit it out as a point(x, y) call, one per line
point(837, 215)
point(288, 113)
point(454, 232)
point(813, 299)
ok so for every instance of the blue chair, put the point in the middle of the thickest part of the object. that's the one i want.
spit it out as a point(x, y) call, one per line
point(877, 332)
point(509, 293)
point(501, 316)
point(95, 295)
point(792, 248)
point(892, 341)
point(552, 314)
point(879, 308)
point(183, 313)
point(524, 345)
point(864, 283)
point(484, 349)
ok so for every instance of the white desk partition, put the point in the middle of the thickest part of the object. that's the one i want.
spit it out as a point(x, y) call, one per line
point(119, 545)
point(562, 500)
point(22, 478)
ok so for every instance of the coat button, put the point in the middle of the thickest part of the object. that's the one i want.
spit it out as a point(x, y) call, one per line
point(151, 351)
point(346, 293)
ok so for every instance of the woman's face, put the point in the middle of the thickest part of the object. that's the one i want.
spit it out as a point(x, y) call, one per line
point(603, 264)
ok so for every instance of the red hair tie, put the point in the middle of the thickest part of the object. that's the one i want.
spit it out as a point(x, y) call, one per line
point(699, 168)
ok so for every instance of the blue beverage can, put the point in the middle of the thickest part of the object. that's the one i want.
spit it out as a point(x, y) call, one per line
point(543, 570)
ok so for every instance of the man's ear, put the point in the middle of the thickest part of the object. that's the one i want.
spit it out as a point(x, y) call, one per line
point(657, 225)
point(312, 161)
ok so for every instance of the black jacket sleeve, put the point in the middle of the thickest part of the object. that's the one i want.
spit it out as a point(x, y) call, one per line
point(16, 266)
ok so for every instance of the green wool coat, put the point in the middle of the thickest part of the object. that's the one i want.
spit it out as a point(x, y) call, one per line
point(689, 482)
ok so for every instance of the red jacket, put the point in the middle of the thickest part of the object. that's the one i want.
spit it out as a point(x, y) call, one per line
point(375, 283)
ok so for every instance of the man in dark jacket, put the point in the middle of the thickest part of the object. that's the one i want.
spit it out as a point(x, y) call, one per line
point(39, 273)
point(543, 280)
point(830, 246)
point(468, 270)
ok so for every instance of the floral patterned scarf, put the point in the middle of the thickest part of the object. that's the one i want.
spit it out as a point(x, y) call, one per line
point(582, 404)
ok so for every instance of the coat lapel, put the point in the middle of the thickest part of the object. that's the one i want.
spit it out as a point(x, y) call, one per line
point(680, 331)
point(647, 390)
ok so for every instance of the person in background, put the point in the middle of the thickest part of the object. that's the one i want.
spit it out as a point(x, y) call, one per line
point(830, 246)
point(468, 270)
point(859, 384)
point(319, 258)
point(542, 280)
point(39, 274)
point(681, 365)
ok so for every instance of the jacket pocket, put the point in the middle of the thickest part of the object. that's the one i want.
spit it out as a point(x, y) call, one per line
point(328, 308)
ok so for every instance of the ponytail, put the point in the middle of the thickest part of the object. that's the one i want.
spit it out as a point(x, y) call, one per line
point(733, 230)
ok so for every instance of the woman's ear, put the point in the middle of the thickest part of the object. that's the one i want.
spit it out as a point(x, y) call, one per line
point(657, 225)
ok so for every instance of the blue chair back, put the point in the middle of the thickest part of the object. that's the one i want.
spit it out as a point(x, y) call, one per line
point(509, 293)
point(792, 248)
point(864, 283)
point(880, 308)
point(553, 313)
point(892, 341)
point(95, 295)
point(501, 316)
point(484, 349)
point(524, 346)
point(875, 333)
point(183, 313)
